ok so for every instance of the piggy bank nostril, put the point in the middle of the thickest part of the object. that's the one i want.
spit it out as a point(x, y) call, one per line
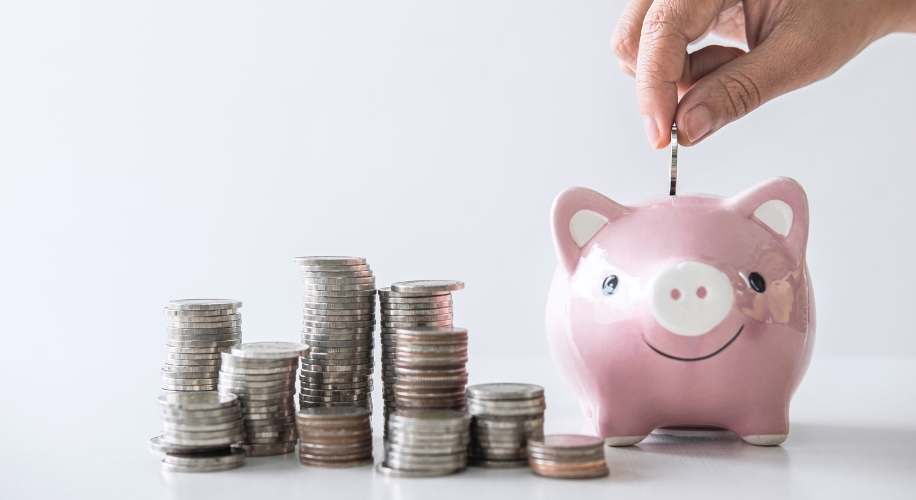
point(701, 292)
point(675, 294)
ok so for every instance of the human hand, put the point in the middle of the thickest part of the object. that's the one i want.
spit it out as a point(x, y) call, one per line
point(792, 43)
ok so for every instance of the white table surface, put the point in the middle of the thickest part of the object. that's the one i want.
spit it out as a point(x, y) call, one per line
point(853, 435)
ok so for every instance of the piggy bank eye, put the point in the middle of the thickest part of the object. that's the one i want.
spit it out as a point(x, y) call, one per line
point(609, 285)
point(757, 282)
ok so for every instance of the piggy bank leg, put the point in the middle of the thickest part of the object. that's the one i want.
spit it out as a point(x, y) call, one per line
point(768, 430)
point(586, 409)
point(620, 430)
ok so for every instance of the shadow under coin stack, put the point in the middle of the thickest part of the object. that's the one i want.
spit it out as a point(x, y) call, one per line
point(504, 418)
point(197, 331)
point(567, 456)
point(335, 436)
point(263, 376)
point(198, 431)
point(425, 443)
point(410, 304)
point(339, 325)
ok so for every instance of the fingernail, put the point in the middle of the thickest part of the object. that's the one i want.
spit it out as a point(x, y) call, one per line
point(651, 129)
point(697, 123)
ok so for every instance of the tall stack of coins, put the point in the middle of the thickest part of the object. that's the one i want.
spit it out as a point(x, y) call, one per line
point(339, 325)
point(423, 443)
point(335, 436)
point(505, 417)
point(430, 368)
point(197, 330)
point(263, 376)
point(198, 430)
point(410, 304)
point(567, 456)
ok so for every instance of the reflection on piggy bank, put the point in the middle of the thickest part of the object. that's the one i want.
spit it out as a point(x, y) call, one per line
point(691, 311)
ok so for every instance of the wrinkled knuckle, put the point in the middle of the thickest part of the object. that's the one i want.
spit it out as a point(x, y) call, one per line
point(742, 94)
point(660, 20)
point(624, 43)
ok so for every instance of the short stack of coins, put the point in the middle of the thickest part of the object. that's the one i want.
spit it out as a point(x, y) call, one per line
point(197, 331)
point(410, 304)
point(339, 326)
point(198, 431)
point(567, 456)
point(263, 376)
point(425, 443)
point(505, 416)
point(335, 436)
point(431, 368)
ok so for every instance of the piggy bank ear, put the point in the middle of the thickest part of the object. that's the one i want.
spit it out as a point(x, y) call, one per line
point(780, 205)
point(577, 215)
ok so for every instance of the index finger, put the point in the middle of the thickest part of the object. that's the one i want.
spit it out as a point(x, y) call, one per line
point(667, 29)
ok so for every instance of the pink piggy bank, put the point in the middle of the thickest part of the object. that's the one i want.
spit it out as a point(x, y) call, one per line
point(692, 311)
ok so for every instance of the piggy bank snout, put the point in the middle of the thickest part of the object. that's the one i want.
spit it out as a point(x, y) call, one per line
point(690, 298)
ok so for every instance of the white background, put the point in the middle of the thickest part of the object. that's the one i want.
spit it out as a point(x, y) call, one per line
point(160, 150)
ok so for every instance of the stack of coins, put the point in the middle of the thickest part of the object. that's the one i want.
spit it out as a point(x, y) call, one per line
point(430, 368)
point(567, 456)
point(335, 436)
point(423, 443)
point(263, 376)
point(505, 417)
point(197, 330)
point(198, 431)
point(338, 324)
point(410, 304)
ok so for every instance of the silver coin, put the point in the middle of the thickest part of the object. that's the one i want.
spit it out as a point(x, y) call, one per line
point(324, 334)
point(204, 304)
point(566, 443)
point(270, 350)
point(233, 360)
point(369, 319)
point(319, 351)
point(335, 280)
point(322, 260)
point(318, 295)
point(337, 334)
point(336, 274)
point(385, 470)
point(401, 324)
point(390, 302)
point(203, 312)
point(187, 441)
point(426, 311)
point(197, 401)
point(190, 369)
point(170, 362)
point(354, 287)
point(258, 371)
point(505, 391)
point(339, 343)
point(343, 307)
point(442, 303)
point(338, 324)
point(323, 298)
point(203, 319)
point(342, 355)
point(417, 319)
point(425, 287)
point(203, 338)
point(672, 191)
point(203, 326)
point(212, 351)
point(369, 310)
point(195, 427)
point(215, 457)
point(265, 450)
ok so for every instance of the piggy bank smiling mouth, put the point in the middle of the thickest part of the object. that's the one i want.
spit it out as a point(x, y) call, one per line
point(700, 358)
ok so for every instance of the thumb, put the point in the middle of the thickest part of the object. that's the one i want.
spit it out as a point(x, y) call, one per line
point(740, 86)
